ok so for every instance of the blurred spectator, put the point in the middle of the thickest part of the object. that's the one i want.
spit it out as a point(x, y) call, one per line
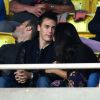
point(94, 79)
point(2, 11)
point(32, 9)
point(25, 31)
point(94, 25)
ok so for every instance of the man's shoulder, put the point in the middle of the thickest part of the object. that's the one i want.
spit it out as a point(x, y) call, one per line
point(7, 46)
point(8, 53)
point(97, 11)
point(10, 47)
point(30, 42)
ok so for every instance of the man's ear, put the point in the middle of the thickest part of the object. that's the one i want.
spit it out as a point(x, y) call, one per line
point(38, 27)
point(29, 28)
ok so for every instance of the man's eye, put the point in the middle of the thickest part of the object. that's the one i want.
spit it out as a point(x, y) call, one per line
point(53, 27)
point(47, 26)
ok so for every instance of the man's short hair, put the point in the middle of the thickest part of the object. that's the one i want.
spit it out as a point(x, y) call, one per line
point(49, 15)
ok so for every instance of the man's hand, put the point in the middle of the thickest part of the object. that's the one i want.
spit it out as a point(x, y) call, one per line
point(37, 10)
point(21, 76)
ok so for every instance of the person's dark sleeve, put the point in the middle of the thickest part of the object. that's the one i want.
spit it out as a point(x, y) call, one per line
point(8, 53)
point(94, 24)
point(2, 53)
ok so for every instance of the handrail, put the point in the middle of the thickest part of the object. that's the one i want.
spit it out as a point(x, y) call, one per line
point(52, 66)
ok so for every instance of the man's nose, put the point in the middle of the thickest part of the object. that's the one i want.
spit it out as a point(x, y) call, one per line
point(50, 29)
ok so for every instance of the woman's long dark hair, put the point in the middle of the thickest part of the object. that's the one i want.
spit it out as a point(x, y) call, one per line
point(66, 38)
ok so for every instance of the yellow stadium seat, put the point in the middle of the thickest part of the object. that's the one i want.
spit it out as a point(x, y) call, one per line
point(88, 5)
point(82, 26)
point(6, 38)
point(81, 4)
point(6, 2)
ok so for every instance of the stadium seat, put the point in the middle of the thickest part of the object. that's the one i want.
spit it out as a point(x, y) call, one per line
point(6, 2)
point(6, 38)
point(82, 26)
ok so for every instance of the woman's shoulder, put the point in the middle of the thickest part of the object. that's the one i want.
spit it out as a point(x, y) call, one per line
point(85, 53)
point(83, 46)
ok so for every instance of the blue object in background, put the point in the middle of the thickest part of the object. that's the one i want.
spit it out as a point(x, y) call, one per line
point(2, 11)
point(93, 80)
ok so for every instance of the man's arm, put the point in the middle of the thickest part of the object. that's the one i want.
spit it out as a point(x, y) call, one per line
point(61, 8)
point(17, 7)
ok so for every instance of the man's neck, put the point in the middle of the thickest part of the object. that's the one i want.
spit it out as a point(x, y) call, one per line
point(43, 44)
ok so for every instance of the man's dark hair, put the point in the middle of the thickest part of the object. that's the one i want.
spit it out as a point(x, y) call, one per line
point(49, 15)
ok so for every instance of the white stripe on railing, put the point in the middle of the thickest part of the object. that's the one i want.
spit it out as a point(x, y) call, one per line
point(53, 66)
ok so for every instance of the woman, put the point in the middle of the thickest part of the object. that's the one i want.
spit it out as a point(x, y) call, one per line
point(70, 49)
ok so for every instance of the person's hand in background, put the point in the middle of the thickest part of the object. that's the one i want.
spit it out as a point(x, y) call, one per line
point(80, 15)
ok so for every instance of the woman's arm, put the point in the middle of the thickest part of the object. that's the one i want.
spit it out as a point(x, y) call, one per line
point(59, 72)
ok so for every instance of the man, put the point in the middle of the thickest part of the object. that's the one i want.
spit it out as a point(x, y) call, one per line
point(32, 9)
point(94, 24)
point(25, 31)
point(94, 27)
point(39, 50)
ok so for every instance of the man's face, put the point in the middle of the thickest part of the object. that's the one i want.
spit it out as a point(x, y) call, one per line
point(46, 30)
point(23, 32)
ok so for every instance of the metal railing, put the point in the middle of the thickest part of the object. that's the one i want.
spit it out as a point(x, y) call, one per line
point(52, 66)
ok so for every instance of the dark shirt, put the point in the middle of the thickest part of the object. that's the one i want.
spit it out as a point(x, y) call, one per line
point(36, 55)
point(83, 54)
point(27, 52)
